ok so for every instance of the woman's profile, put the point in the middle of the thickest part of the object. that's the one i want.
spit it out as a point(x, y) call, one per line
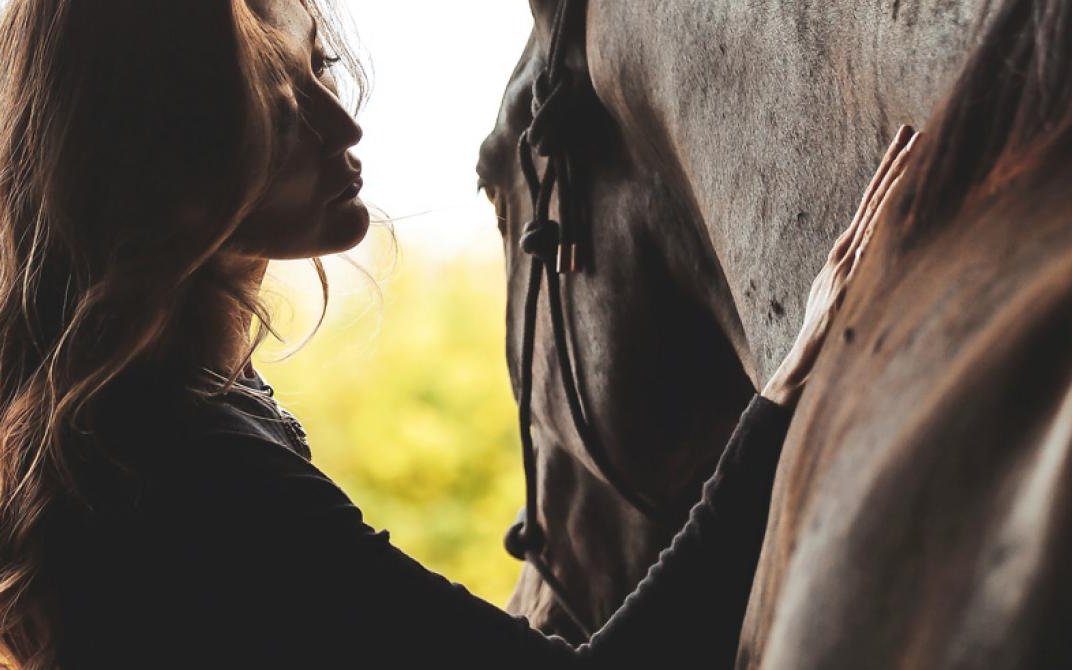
point(158, 508)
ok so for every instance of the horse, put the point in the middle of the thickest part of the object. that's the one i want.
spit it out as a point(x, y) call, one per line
point(722, 146)
point(921, 513)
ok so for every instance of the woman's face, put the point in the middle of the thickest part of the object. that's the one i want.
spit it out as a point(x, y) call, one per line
point(311, 207)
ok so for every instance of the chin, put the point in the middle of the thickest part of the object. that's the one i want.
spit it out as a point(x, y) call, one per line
point(345, 227)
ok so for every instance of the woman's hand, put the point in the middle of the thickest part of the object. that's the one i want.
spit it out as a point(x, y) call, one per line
point(828, 289)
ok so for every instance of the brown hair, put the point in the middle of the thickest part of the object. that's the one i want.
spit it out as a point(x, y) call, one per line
point(129, 153)
point(1009, 116)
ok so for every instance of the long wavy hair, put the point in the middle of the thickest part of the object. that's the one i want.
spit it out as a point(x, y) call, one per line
point(129, 153)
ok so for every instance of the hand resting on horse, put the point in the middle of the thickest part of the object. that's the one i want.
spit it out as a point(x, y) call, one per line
point(828, 289)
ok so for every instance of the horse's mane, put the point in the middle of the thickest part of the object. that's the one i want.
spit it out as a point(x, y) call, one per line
point(1008, 117)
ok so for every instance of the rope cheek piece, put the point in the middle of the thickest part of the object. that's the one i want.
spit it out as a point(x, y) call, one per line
point(553, 247)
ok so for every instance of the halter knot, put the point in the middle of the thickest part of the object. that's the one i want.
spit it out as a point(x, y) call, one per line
point(522, 540)
point(540, 238)
point(549, 107)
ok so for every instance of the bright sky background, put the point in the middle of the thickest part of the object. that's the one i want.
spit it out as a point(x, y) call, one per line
point(439, 68)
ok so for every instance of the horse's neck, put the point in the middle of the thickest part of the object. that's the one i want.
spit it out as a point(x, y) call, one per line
point(771, 122)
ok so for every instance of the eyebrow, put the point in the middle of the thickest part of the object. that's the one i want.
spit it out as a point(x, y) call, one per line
point(313, 32)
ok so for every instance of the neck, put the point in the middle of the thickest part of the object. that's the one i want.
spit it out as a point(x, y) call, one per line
point(211, 330)
point(231, 346)
point(804, 118)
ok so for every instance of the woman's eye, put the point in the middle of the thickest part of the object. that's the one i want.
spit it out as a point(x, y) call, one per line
point(322, 63)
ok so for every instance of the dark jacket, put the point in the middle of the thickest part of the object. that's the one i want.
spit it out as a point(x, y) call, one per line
point(220, 545)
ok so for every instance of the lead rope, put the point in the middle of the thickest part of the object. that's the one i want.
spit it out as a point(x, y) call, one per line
point(553, 248)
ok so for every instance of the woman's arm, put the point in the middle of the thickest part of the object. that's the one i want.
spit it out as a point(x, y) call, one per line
point(692, 603)
point(319, 588)
point(311, 585)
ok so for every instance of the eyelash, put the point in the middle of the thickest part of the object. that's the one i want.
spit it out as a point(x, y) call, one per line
point(321, 64)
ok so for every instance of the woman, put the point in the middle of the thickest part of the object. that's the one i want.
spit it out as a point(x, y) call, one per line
point(158, 508)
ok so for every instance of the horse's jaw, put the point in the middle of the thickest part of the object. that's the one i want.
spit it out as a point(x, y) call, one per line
point(771, 123)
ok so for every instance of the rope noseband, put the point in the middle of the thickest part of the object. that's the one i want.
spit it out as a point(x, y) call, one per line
point(553, 246)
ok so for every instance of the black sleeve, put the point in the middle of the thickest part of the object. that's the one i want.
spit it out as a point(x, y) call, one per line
point(691, 605)
point(321, 589)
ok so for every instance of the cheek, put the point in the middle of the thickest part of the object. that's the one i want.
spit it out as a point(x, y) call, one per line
point(294, 184)
point(286, 212)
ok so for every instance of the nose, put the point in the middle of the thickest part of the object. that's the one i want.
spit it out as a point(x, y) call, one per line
point(337, 128)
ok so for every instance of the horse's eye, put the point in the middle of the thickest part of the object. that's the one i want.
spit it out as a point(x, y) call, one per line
point(488, 190)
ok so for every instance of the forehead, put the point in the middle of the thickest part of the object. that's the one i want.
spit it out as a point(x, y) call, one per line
point(288, 16)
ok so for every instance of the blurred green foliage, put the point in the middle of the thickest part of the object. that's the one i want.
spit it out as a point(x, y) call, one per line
point(408, 408)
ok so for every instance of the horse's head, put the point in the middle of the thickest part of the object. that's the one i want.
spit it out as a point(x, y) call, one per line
point(661, 385)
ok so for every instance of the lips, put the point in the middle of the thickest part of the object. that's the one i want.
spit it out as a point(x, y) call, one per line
point(348, 189)
point(349, 193)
